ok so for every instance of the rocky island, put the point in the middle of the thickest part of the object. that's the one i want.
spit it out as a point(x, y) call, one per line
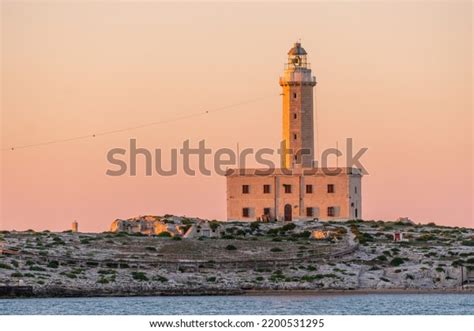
point(190, 256)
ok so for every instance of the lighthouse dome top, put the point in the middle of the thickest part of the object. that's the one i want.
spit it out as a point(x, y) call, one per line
point(297, 50)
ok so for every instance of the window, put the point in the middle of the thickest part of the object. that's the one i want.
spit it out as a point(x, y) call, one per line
point(294, 116)
point(309, 211)
point(294, 95)
point(245, 212)
point(355, 189)
point(287, 188)
point(266, 211)
point(266, 188)
point(245, 189)
point(294, 136)
point(309, 189)
point(331, 211)
point(330, 188)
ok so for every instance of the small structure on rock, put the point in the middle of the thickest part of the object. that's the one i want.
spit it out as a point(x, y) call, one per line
point(398, 236)
point(405, 220)
point(75, 227)
point(203, 229)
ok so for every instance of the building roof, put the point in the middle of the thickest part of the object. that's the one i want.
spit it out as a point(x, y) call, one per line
point(293, 172)
point(297, 50)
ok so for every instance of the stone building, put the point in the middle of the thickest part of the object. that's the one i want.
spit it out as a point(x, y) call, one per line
point(298, 190)
point(202, 229)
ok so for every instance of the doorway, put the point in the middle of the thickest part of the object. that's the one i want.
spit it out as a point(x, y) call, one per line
point(288, 211)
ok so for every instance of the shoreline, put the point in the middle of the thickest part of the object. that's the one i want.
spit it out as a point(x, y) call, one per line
point(355, 292)
point(69, 293)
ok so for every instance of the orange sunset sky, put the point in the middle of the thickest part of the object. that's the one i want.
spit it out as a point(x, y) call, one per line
point(394, 76)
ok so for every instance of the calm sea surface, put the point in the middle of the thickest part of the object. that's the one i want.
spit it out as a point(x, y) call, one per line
point(356, 304)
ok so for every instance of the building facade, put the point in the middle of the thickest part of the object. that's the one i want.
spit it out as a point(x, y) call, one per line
point(312, 194)
point(298, 190)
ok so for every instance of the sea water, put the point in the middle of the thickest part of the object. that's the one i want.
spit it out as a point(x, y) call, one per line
point(353, 304)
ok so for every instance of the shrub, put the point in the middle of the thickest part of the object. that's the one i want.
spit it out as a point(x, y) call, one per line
point(137, 275)
point(408, 276)
point(53, 264)
point(160, 278)
point(5, 266)
point(396, 261)
point(186, 221)
point(426, 237)
point(287, 227)
point(17, 274)
point(231, 248)
point(103, 280)
point(367, 237)
point(439, 269)
point(458, 263)
point(177, 238)
point(277, 275)
point(164, 234)
point(303, 234)
point(273, 232)
point(468, 242)
point(259, 278)
point(69, 275)
point(311, 278)
point(58, 241)
point(150, 248)
point(36, 268)
point(214, 225)
point(276, 249)
point(211, 279)
point(382, 258)
point(254, 225)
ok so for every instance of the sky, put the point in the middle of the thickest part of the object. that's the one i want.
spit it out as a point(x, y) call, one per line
point(396, 77)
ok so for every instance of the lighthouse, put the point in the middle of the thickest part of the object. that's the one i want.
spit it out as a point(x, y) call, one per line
point(306, 192)
point(297, 84)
